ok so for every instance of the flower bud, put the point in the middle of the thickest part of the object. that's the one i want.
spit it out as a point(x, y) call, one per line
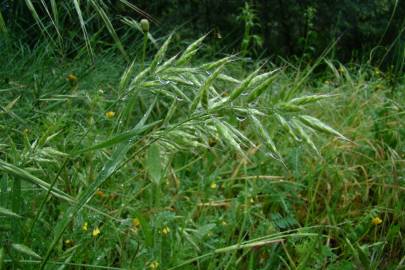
point(145, 25)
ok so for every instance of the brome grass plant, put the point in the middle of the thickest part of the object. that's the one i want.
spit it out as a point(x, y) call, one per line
point(179, 163)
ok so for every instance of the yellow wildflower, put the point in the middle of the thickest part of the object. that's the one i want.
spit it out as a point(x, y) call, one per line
point(69, 242)
point(213, 185)
point(154, 265)
point(165, 230)
point(96, 232)
point(110, 114)
point(72, 79)
point(85, 226)
point(136, 223)
point(376, 221)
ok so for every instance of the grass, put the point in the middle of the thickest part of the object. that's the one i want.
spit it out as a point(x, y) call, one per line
point(189, 164)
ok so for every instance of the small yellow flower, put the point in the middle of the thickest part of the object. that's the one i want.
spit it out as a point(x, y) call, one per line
point(376, 221)
point(96, 232)
point(136, 223)
point(213, 185)
point(72, 79)
point(154, 265)
point(69, 242)
point(165, 230)
point(110, 114)
point(85, 226)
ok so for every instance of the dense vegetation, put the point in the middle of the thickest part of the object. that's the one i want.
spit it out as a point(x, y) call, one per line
point(124, 148)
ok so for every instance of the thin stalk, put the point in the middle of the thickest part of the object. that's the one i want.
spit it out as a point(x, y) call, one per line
point(145, 43)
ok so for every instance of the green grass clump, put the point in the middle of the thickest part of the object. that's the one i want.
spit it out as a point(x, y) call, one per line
point(182, 164)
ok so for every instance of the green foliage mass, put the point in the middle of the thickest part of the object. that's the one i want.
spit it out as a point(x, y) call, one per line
point(120, 150)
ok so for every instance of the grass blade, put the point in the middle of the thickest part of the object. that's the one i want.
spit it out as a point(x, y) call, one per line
point(7, 212)
point(110, 28)
point(84, 30)
point(3, 27)
point(108, 169)
point(25, 250)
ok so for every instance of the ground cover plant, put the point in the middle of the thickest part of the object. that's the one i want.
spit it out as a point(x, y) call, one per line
point(174, 161)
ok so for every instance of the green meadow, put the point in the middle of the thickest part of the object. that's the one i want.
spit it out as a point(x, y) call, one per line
point(154, 153)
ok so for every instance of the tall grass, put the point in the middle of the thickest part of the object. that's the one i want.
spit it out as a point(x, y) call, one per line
point(180, 163)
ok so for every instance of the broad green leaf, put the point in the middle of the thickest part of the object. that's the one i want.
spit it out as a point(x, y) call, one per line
point(154, 163)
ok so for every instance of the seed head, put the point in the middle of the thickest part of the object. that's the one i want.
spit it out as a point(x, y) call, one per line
point(145, 25)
